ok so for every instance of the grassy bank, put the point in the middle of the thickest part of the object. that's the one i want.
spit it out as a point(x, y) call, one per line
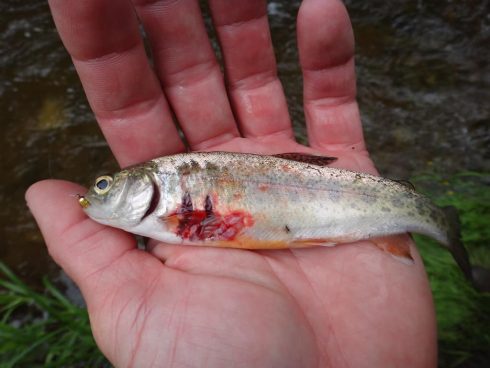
point(44, 329)
point(463, 314)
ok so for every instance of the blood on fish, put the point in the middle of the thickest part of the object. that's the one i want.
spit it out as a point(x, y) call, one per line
point(208, 224)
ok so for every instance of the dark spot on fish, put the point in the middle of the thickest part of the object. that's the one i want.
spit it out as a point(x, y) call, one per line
point(189, 168)
point(397, 202)
point(195, 166)
point(369, 199)
point(186, 204)
point(385, 209)
point(184, 169)
point(212, 167)
point(421, 208)
point(287, 229)
point(434, 215)
point(208, 205)
point(334, 195)
point(354, 205)
point(411, 194)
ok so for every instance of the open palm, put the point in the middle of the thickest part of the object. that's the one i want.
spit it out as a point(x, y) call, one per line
point(174, 306)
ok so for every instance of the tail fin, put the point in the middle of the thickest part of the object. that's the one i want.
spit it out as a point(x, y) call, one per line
point(456, 246)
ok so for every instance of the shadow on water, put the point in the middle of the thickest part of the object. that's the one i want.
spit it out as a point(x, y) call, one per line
point(423, 91)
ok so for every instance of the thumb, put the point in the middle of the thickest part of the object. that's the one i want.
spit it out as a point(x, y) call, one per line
point(82, 247)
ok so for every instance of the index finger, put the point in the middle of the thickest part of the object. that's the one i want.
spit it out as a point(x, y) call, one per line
point(103, 39)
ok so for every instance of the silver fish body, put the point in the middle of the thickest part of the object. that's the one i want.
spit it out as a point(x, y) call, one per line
point(259, 202)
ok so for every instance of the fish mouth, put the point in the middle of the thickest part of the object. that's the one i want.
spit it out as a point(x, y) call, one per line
point(155, 199)
point(84, 202)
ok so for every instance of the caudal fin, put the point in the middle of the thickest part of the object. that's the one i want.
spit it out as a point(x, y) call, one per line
point(455, 246)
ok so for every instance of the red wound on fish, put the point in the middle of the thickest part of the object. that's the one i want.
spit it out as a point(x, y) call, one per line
point(208, 224)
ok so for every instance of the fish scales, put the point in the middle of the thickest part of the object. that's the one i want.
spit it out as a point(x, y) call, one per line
point(313, 202)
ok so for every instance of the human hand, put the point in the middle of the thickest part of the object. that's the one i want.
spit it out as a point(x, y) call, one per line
point(351, 305)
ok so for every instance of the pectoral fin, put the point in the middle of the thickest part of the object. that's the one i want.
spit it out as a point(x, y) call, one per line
point(306, 243)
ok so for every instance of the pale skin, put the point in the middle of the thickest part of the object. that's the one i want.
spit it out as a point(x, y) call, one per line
point(175, 306)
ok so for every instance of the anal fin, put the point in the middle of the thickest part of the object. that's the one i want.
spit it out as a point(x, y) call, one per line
point(397, 245)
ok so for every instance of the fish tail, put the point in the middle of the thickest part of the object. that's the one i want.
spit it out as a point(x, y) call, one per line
point(455, 244)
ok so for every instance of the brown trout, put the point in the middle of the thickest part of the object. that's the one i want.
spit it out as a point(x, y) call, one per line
point(252, 201)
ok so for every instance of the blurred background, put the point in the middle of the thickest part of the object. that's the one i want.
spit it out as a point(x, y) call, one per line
point(423, 88)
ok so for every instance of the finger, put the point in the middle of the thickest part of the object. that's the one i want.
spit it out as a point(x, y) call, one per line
point(189, 71)
point(326, 49)
point(87, 251)
point(103, 39)
point(255, 91)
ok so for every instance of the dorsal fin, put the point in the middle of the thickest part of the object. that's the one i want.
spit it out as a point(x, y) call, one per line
point(307, 158)
point(405, 183)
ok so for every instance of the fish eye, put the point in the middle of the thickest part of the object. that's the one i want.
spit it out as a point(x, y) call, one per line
point(103, 184)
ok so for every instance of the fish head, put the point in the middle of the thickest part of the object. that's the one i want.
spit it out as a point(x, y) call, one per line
point(120, 200)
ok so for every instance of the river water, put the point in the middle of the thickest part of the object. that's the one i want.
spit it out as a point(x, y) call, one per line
point(423, 85)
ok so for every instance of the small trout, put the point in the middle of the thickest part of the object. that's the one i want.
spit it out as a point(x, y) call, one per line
point(252, 201)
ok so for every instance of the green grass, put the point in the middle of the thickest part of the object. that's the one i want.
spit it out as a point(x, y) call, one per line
point(43, 329)
point(463, 314)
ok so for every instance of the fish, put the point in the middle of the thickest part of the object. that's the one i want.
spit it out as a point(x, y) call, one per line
point(250, 201)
